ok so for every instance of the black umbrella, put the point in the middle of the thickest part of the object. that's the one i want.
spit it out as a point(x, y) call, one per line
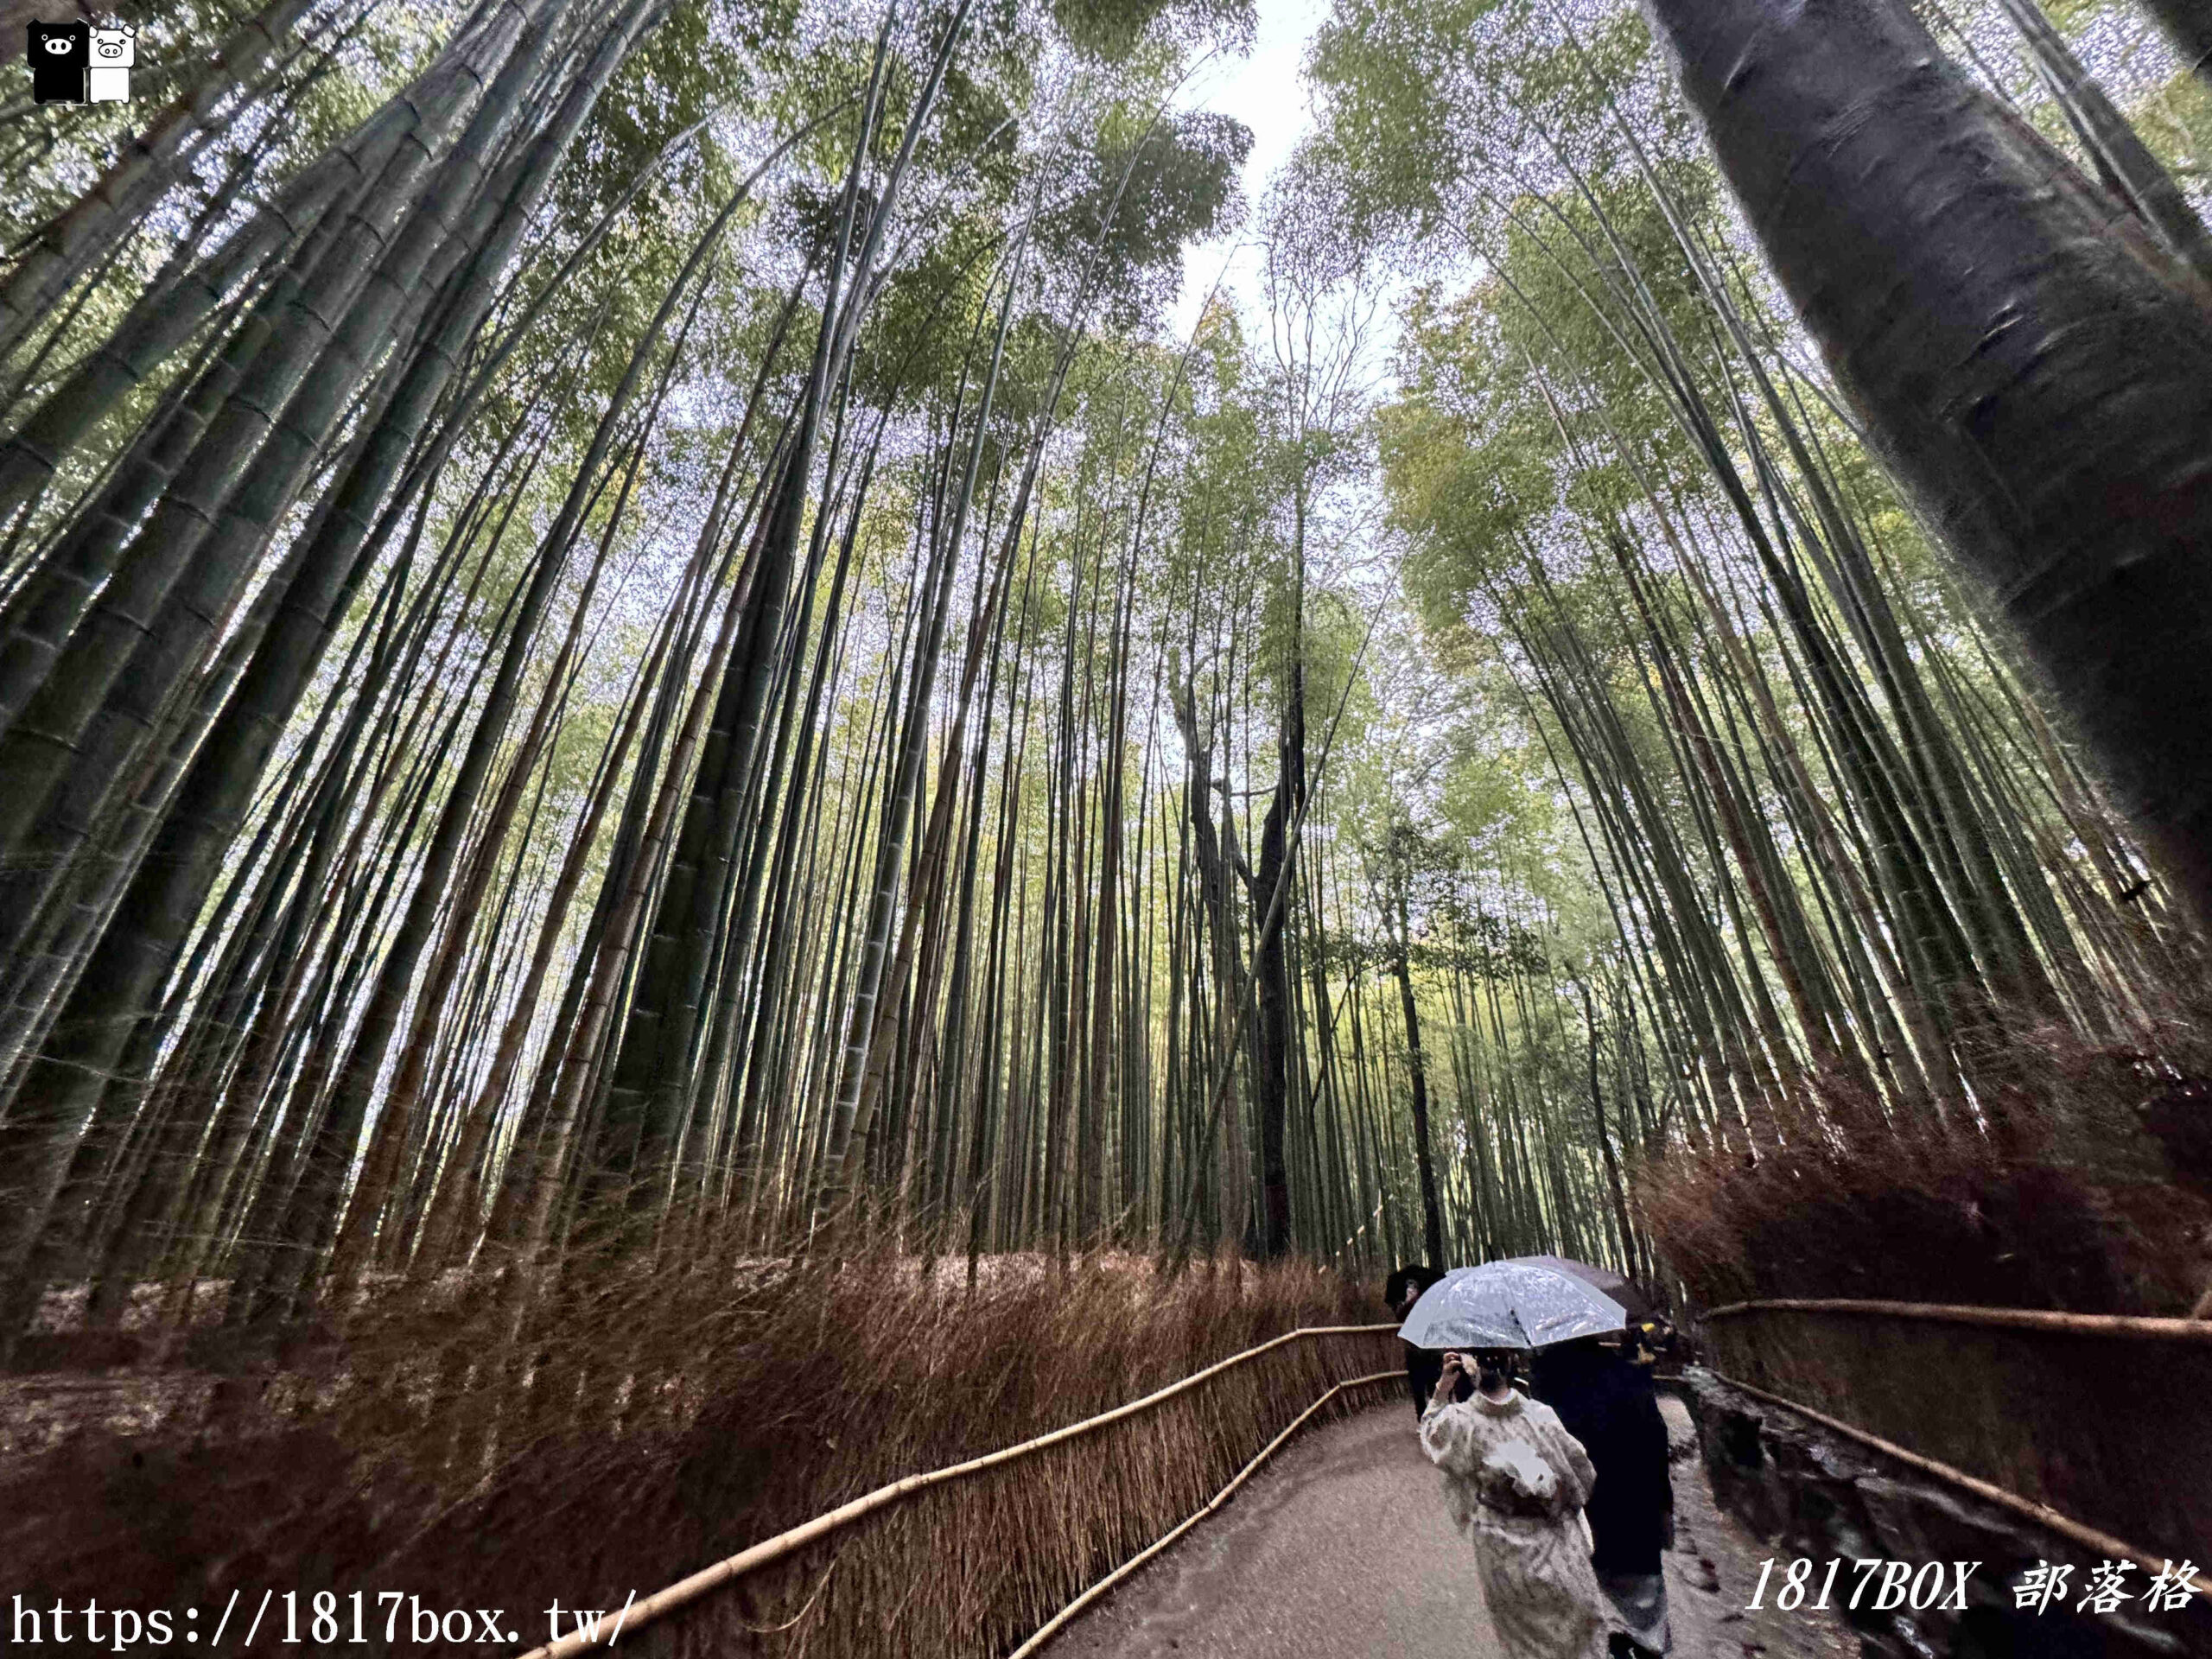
point(1616, 1286)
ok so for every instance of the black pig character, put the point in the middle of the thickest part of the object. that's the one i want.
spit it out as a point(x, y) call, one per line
point(61, 55)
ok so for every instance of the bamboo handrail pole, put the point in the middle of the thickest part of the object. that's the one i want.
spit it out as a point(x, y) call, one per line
point(1045, 1630)
point(2042, 1514)
point(2017, 1319)
point(783, 1543)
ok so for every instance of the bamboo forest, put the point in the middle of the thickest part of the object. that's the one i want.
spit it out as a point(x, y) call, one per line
point(656, 651)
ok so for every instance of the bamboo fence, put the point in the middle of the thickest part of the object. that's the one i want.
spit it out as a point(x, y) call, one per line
point(2089, 1425)
point(978, 1617)
point(2042, 1514)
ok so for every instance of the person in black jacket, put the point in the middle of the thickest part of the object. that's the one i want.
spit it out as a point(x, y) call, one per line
point(1423, 1365)
point(1610, 1406)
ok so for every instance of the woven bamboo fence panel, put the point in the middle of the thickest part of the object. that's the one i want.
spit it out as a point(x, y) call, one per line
point(2107, 1420)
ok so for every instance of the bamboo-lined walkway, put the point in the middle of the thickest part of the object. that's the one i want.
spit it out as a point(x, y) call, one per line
point(1343, 1546)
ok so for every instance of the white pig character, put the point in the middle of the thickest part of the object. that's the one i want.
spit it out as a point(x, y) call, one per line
point(114, 50)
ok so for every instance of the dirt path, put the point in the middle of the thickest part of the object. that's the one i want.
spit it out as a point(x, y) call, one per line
point(1343, 1548)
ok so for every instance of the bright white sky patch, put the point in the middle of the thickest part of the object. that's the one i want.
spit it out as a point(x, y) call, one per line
point(1265, 91)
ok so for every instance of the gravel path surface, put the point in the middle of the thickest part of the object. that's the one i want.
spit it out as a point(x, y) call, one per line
point(1341, 1548)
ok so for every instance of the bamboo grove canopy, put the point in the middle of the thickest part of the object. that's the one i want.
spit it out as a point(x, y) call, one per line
point(642, 626)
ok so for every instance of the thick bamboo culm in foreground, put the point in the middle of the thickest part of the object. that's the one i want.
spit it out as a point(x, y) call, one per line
point(1032, 1496)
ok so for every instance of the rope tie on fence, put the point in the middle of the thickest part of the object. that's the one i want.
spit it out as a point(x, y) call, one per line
point(683, 1591)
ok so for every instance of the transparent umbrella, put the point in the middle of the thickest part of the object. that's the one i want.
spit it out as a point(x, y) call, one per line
point(1510, 1305)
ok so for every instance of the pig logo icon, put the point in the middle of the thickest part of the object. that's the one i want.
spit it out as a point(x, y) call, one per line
point(61, 55)
point(114, 50)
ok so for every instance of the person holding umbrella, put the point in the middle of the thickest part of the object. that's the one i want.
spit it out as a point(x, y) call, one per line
point(1515, 1480)
point(1423, 1365)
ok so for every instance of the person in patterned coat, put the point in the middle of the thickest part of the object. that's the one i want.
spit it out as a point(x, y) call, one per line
point(1515, 1482)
